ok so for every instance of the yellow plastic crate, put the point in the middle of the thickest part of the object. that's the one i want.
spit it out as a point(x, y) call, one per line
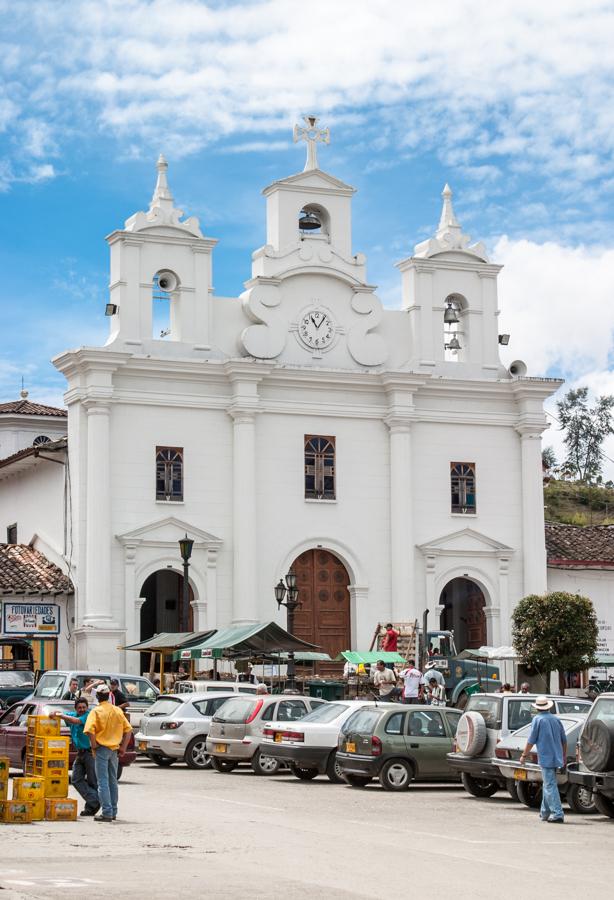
point(5, 765)
point(56, 788)
point(44, 767)
point(15, 811)
point(4, 787)
point(51, 747)
point(28, 765)
point(61, 810)
point(38, 809)
point(28, 788)
point(43, 726)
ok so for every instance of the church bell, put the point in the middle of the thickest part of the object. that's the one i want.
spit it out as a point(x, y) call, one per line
point(450, 316)
point(308, 221)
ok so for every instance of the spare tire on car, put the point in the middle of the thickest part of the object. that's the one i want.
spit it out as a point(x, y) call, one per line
point(471, 734)
point(597, 746)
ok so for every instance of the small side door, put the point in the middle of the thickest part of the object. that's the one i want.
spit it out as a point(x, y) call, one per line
point(428, 742)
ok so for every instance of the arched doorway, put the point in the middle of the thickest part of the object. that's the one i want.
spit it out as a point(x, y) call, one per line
point(463, 613)
point(162, 609)
point(323, 618)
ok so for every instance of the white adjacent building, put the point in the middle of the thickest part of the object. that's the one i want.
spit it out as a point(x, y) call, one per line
point(385, 454)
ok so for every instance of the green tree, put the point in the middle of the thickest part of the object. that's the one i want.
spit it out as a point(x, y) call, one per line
point(549, 458)
point(586, 427)
point(555, 632)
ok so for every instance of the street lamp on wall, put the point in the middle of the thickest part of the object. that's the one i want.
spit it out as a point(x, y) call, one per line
point(287, 595)
point(185, 547)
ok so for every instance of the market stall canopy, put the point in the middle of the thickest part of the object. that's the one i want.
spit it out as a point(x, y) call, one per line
point(257, 639)
point(167, 641)
point(370, 657)
point(486, 653)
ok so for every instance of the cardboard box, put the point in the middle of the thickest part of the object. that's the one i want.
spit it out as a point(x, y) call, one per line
point(28, 788)
point(15, 811)
point(61, 810)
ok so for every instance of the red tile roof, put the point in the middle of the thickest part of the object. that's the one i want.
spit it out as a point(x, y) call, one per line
point(27, 408)
point(590, 546)
point(50, 447)
point(25, 570)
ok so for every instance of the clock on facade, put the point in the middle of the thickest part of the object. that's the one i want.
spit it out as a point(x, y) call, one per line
point(316, 329)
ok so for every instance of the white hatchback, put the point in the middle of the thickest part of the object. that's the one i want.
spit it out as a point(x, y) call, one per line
point(309, 746)
point(175, 728)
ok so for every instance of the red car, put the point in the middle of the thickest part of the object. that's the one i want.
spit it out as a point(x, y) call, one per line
point(14, 725)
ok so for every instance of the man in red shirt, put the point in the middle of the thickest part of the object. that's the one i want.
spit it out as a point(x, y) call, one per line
point(391, 642)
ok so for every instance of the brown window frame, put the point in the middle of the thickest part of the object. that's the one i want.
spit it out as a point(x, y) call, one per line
point(463, 493)
point(166, 473)
point(320, 467)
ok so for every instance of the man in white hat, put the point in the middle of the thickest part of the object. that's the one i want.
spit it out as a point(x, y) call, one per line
point(548, 735)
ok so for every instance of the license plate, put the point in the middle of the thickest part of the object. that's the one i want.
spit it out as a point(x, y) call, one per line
point(220, 748)
point(142, 745)
point(278, 737)
point(350, 747)
point(520, 774)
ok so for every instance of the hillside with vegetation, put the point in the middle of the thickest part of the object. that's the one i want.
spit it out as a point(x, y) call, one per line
point(578, 503)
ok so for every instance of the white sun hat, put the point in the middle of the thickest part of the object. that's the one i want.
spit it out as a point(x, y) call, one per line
point(542, 702)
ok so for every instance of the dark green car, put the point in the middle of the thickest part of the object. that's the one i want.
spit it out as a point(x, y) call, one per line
point(398, 745)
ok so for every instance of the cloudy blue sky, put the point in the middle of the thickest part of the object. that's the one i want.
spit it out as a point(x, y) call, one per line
point(511, 102)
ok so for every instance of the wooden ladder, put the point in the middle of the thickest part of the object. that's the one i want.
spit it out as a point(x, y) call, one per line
point(407, 643)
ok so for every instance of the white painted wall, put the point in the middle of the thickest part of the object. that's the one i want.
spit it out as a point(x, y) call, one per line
point(598, 586)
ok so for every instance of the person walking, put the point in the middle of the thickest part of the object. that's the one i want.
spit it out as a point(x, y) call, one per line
point(109, 732)
point(83, 775)
point(548, 735)
point(413, 683)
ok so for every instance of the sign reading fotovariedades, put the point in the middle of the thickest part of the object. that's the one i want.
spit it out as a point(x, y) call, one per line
point(31, 618)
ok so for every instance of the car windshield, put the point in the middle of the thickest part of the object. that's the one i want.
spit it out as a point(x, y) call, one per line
point(604, 711)
point(165, 706)
point(328, 712)
point(363, 720)
point(237, 710)
point(50, 685)
point(488, 707)
point(138, 689)
point(16, 679)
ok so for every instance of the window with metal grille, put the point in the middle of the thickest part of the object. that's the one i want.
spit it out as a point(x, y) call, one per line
point(11, 534)
point(169, 473)
point(462, 487)
point(320, 467)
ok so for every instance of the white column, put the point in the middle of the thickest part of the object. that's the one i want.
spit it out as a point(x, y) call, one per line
point(504, 603)
point(533, 541)
point(402, 606)
point(492, 615)
point(244, 515)
point(211, 579)
point(97, 606)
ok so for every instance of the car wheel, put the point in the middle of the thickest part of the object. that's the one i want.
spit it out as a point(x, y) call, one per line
point(357, 780)
point(396, 775)
point(604, 805)
point(530, 793)
point(512, 787)
point(223, 765)
point(196, 756)
point(333, 769)
point(303, 774)
point(120, 770)
point(161, 760)
point(479, 787)
point(580, 800)
point(264, 765)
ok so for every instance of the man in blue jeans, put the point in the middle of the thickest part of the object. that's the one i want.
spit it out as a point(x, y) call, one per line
point(109, 732)
point(83, 770)
point(548, 735)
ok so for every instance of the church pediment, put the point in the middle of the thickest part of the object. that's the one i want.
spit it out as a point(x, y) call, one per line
point(167, 532)
point(315, 179)
point(465, 542)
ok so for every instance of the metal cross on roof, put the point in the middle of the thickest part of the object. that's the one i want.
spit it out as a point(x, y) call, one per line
point(312, 135)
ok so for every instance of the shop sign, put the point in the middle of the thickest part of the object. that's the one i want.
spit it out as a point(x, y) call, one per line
point(31, 618)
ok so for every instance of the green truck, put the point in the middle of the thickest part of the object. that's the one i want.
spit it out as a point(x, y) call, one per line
point(463, 676)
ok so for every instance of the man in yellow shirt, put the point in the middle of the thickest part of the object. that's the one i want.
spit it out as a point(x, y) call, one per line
point(109, 732)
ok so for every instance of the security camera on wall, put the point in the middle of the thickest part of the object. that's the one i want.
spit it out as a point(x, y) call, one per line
point(167, 281)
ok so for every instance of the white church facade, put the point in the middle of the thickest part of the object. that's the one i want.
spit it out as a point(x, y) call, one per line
point(386, 455)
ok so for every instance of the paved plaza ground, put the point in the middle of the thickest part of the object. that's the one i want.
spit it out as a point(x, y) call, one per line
point(203, 834)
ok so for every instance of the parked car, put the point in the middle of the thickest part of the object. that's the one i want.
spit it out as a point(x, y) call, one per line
point(398, 745)
point(175, 728)
point(201, 686)
point(594, 770)
point(139, 691)
point(14, 726)
point(236, 731)
point(488, 719)
point(527, 776)
point(310, 749)
point(15, 685)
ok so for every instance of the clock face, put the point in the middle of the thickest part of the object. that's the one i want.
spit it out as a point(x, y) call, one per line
point(316, 329)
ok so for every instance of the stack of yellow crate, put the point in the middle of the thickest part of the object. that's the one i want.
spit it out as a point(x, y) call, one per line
point(47, 760)
point(15, 810)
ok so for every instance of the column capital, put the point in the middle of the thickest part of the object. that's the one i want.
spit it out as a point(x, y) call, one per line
point(531, 430)
point(398, 424)
point(95, 407)
point(242, 415)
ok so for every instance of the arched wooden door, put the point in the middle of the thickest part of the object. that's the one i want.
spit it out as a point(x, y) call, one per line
point(323, 618)
point(463, 612)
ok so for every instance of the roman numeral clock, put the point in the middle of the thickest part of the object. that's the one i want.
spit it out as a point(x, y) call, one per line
point(316, 330)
